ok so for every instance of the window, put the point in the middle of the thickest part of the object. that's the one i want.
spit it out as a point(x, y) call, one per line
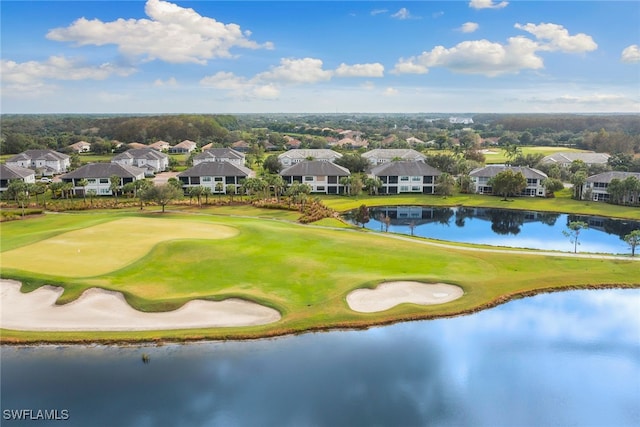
point(104, 180)
point(600, 184)
point(206, 179)
point(308, 178)
point(218, 179)
point(532, 181)
point(416, 178)
point(320, 188)
point(415, 188)
point(105, 191)
point(91, 180)
point(404, 179)
point(321, 178)
point(404, 188)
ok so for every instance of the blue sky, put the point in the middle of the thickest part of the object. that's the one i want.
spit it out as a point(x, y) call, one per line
point(160, 56)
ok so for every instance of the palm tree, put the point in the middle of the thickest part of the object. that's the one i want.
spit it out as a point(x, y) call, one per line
point(114, 186)
point(83, 183)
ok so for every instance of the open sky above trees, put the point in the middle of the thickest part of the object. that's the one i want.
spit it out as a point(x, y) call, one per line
point(293, 56)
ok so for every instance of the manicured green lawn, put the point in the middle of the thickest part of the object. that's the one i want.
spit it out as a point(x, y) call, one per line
point(303, 271)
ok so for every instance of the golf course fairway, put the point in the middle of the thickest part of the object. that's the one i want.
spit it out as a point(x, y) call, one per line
point(161, 262)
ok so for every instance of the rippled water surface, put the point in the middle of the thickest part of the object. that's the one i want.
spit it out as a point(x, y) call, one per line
point(560, 359)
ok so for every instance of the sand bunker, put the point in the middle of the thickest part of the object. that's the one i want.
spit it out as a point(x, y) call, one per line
point(100, 310)
point(390, 294)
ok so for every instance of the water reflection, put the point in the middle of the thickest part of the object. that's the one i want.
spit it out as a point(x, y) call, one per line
point(502, 227)
point(559, 359)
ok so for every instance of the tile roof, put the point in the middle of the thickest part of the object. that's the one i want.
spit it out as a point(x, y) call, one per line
point(315, 168)
point(393, 153)
point(219, 153)
point(217, 169)
point(405, 168)
point(104, 170)
point(608, 176)
point(493, 170)
point(141, 153)
point(14, 172)
point(38, 154)
point(319, 153)
point(568, 157)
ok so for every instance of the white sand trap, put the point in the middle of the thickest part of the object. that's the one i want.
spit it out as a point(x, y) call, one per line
point(100, 310)
point(390, 294)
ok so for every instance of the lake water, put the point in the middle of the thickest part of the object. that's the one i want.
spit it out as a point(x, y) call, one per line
point(504, 227)
point(562, 359)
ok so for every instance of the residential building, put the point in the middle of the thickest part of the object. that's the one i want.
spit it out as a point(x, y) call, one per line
point(98, 176)
point(160, 146)
point(220, 155)
point(412, 140)
point(137, 145)
point(294, 156)
point(80, 147)
point(351, 143)
point(321, 176)
point(379, 156)
point(406, 177)
point(184, 147)
point(566, 158)
point(534, 177)
point(152, 161)
point(43, 162)
point(210, 174)
point(596, 187)
point(241, 146)
point(15, 173)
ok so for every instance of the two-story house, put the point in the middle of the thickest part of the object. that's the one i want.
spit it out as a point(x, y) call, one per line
point(596, 187)
point(321, 176)
point(98, 177)
point(43, 162)
point(379, 156)
point(481, 178)
point(294, 156)
point(15, 173)
point(218, 176)
point(152, 161)
point(220, 155)
point(406, 177)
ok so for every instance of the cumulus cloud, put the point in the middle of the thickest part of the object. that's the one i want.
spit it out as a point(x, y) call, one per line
point(631, 54)
point(360, 70)
point(493, 59)
point(487, 4)
point(56, 68)
point(305, 70)
point(476, 57)
point(173, 34)
point(555, 37)
point(240, 86)
point(469, 27)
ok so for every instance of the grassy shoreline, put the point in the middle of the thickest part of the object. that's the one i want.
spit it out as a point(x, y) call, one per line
point(317, 267)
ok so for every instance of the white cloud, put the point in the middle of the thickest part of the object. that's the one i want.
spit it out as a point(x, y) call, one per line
point(476, 57)
point(403, 13)
point(556, 37)
point(390, 91)
point(492, 58)
point(239, 86)
point(56, 68)
point(487, 4)
point(269, 91)
point(169, 82)
point(378, 11)
point(360, 70)
point(631, 54)
point(173, 34)
point(469, 27)
point(305, 70)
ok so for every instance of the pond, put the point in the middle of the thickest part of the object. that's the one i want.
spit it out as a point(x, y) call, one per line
point(503, 227)
point(570, 358)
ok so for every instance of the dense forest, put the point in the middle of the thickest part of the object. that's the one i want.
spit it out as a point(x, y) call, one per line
point(603, 133)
